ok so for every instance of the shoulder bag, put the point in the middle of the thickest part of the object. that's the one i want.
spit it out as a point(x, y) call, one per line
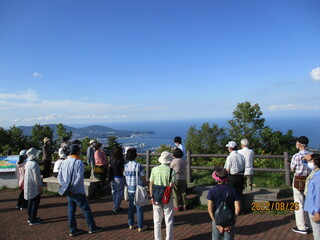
point(141, 195)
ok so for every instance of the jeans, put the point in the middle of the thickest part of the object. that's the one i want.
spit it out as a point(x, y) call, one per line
point(158, 212)
point(117, 188)
point(22, 203)
point(132, 207)
point(33, 205)
point(216, 235)
point(79, 200)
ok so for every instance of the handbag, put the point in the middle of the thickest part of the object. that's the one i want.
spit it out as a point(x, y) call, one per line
point(167, 191)
point(64, 189)
point(141, 195)
point(299, 182)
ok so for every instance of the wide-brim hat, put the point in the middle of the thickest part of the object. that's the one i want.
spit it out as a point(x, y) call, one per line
point(46, 139)
point(92, 141)
point(33, 153)
point(165, 157)
point(63, 156)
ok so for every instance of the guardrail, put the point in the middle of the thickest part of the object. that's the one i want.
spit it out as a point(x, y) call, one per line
point(285, 158)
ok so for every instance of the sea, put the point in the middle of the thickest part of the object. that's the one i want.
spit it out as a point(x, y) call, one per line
point(165, 131)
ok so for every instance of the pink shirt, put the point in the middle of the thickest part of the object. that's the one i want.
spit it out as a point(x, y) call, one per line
point(100, 158)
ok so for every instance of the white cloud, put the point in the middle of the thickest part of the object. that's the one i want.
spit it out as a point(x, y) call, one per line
point(315, 74)
point(291, 107)
point(37, 75)
point(29, 95)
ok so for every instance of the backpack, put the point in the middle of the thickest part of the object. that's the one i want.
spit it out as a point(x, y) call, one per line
point(224, 215)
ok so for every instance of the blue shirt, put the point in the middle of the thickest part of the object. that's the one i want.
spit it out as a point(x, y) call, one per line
point(65, 171)
point(130, 171)
point(312, 202)
point(219, 192)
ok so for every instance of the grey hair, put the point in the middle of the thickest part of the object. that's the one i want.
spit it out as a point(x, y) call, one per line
point(244, 142)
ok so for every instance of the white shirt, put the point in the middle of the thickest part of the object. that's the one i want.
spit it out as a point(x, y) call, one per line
point(235, 163)
point(248, 156)
point(57, 165)
point(184, 152)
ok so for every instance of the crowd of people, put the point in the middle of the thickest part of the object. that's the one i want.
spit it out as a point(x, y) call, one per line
point(125, 174)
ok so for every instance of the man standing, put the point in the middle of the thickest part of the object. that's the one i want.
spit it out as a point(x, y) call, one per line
point(248, 156)
point(160, 176)
point(300, 168)
point(177, 141)
point(72, 172)
point(90, 158)
point(46, 157)
point(235, 166)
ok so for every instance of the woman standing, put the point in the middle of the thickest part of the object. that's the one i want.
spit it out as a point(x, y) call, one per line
point(130, 172)
point(20, 172)
point(101, 161)
point(219, 193)
point(179, 165)
point(312, 193)
point(33, 186)
point(117, 178)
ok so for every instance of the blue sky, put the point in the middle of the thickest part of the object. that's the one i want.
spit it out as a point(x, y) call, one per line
point(107, 61)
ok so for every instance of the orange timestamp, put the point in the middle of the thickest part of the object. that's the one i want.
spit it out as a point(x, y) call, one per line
point(278, 206)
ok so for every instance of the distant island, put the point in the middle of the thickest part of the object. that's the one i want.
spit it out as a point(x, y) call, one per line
point(94, 131)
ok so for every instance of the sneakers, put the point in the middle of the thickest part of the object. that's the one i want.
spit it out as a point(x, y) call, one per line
point(299, 231)
point(145, 227)
point(23, 208)
point(176, 209)
point(76, 232)
point(116, 210)
point(37, 219)
point(132, 227)
point(95, 229)
point(36, 222)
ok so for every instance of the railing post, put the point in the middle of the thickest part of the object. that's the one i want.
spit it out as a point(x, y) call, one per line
point(287, 168)
point(189, 173)
point(148, 164)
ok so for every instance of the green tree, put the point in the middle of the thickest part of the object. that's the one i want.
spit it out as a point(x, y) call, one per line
point(39, 133)
point(4, 141)
point(247, 123)
point(275, 142)
point(17, 141)
point(208, 139)
point(62, 133)
point(85, 144)
point(163, 148)
point(112, 143)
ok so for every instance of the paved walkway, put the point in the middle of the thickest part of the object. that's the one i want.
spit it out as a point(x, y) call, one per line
point(190, 224)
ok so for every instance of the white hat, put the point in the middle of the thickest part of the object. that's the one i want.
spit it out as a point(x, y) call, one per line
point(231, 144)
point(23, 153)
point(33, 153)
point(63, 156)
point(165, 157)
point(92, 141)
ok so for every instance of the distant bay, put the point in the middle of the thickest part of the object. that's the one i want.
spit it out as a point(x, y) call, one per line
point(165, 131)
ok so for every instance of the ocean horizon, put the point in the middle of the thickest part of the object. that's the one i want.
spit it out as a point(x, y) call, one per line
point(165, 131)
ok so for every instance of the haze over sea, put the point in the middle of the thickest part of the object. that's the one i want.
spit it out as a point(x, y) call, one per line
point(165, 131)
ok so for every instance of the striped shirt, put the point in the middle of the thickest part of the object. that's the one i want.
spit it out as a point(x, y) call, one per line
point(299, 165)
point(130, 173)
point(160, 175)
